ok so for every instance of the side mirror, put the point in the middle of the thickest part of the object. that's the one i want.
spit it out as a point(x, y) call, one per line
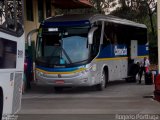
point(29, 36)
point(90, 35)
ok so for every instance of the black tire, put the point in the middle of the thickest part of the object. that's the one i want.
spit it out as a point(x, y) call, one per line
point(28, 80)
point(58, 89)
point(133, 71)
point(127, 79)
point(102, 85)
point(131, 79)
point(106, 78)
point(1, 104)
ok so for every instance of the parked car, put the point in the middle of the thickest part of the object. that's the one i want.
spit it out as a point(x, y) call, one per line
point(157, 88)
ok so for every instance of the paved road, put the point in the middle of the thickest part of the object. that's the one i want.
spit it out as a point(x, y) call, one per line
point(118, 98)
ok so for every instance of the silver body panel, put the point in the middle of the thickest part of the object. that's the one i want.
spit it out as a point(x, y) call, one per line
point(117, 70)
point(82, 78)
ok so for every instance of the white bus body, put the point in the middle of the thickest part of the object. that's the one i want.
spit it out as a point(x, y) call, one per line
point(12, 43)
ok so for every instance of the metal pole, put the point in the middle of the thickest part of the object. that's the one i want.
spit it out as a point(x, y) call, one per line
point(158, 23)
point(29, 36)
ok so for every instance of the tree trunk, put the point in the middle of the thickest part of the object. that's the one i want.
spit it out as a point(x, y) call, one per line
point(98, 2)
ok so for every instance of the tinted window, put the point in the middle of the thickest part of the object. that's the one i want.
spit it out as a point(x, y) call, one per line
point(8, 50)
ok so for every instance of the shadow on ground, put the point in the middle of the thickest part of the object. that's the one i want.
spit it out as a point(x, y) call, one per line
point(49, 89)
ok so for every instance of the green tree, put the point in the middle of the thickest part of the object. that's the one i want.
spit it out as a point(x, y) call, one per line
point(103, 6)
point(100, 6)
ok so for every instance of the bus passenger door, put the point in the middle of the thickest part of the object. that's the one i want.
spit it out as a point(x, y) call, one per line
point(134, 49)
point(132, 56)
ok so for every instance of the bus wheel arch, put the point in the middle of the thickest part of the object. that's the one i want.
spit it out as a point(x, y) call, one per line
point(1, 102)
point(106, 71)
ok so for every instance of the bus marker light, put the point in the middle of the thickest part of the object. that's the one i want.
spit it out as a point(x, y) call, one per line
point(94, 68)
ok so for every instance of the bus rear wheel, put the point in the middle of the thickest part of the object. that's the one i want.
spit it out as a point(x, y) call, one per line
point(131, 79)
point(102, 85)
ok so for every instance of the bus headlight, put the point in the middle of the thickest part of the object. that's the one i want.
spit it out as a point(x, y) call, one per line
point(94, 67)
point(40, 73)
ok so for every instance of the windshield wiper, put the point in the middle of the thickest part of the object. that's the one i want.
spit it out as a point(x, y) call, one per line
point(83, 62)
point(67, 56)
point(52, 55)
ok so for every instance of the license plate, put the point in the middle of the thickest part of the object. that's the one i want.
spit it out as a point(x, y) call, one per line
point(59, 81)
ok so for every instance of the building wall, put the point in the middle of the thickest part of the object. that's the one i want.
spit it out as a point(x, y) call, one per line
point(33, 24)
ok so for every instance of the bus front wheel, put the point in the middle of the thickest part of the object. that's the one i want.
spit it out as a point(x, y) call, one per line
point(102, 85)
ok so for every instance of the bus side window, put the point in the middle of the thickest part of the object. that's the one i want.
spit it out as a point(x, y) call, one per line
point(96, 41)
point(110, 35)
point(8, 51)
point(106, 40)
point(113, 38)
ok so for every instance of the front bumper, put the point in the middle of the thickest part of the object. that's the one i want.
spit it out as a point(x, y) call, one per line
point(75, 79)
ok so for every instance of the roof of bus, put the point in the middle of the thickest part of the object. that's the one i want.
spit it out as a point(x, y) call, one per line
point(92, 18)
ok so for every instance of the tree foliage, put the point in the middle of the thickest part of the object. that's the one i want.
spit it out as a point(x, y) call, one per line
point(100, 6)
point(103, 6)
point(143, 11)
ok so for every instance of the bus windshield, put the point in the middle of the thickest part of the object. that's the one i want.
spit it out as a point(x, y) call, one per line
point(63, 46)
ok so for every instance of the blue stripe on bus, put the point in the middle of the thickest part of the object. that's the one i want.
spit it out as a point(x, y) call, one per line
point(60, 69)
point(110, 52)
point(67, 23)
point(143, 50)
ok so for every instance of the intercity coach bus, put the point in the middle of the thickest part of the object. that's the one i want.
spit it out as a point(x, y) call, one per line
point(87, 50)
point(11, 57)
